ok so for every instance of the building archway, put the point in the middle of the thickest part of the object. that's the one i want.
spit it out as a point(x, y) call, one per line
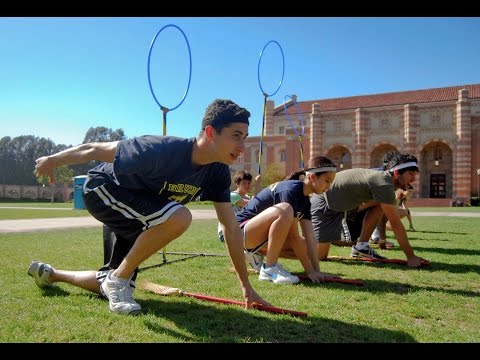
point(376, 156)
point(436, 164)
point(341, 156)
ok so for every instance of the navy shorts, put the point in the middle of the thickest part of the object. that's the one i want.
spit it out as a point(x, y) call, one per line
point(125, 215)
point(128, 213)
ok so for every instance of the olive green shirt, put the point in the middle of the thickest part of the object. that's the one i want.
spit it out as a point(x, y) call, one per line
point(353, 187)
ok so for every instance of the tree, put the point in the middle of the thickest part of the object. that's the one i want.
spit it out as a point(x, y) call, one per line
point(97, 134)
point(103, 134)
point(272, 174)
point(62, 175)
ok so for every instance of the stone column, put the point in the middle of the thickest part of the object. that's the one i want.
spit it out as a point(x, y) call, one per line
point(317, 129)
point(462, 160)
point(359, 156)
point(410, 126)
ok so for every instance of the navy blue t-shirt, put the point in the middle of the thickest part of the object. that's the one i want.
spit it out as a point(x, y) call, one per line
point(289, 191)
point(163, 165)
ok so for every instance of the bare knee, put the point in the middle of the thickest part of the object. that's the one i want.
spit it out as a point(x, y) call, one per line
point(182, 219)
point(285, 212)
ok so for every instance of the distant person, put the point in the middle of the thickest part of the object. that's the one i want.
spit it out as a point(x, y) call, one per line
point(379, 236)
point(362, 196)
point(139, 192)
point(238, 197)
point(403, 210)
point(271, 219)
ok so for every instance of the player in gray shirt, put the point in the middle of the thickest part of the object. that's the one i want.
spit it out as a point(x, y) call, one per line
point(360, 197)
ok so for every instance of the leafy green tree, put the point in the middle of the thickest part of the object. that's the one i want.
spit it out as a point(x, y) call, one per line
point(62, 175)
point(272, 174)
point(97, 134)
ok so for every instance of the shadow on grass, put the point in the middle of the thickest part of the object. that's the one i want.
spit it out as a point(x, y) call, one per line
point(385, 286)
point(201, 322)
point(410, 233)
point(452, 251)
point(434, 265)
point(205, 323)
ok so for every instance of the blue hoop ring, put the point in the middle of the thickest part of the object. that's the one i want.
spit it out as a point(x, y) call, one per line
point(290, 119)
point(258, 68)
point(190, 68)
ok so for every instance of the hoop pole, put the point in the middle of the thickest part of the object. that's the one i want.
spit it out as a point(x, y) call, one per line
point(165, 109)
point(266, 95)
point(300, 136)
point(261, 136)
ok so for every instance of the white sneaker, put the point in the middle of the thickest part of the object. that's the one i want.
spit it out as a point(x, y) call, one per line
point(41, 273)
point(254, 260)
point(119, 294)
point(277, 274)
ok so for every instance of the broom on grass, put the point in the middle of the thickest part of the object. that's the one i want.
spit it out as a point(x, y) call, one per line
point(171, 291)
point(386, 261)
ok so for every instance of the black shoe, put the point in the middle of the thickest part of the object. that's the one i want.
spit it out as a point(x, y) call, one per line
point(368, 252)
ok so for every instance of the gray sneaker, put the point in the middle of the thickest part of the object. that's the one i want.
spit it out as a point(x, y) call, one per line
point(368, 253)
point(254, 260)
point(119, 294)
point(41, 273)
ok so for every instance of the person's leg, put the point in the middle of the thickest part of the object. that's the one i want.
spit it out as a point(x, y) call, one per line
point(410, 222)
point(323, 250)
point(115, 247)
point(46, 275)
point(327, 227)
point(142, 224)
point(273, 224)
point(152, 240)
point(362, 226)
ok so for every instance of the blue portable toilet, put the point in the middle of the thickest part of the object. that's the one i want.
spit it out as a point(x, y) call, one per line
point(78, 182)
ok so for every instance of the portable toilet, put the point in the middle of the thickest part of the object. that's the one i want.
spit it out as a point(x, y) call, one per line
point(78, 182)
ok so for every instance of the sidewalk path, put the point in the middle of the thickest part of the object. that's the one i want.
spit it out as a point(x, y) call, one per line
point(16, 226)
point(25, 225)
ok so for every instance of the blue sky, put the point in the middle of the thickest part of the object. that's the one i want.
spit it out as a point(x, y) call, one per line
point(61, 76)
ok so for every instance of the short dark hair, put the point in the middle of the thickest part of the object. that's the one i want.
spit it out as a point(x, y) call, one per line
point(241, 175)
point(221, 113)
point(387, 158)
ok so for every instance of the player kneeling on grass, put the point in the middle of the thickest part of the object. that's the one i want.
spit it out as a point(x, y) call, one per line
point(270, 224)
point(139, 192)
point(355, 203)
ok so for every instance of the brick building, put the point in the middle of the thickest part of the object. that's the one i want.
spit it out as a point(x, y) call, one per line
point(440, 126)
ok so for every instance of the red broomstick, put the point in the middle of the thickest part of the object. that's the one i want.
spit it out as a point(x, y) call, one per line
point(170, 291)
point(366, 259)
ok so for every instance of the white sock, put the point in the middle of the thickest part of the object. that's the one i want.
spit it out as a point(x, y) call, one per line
point(362, 245)
point(117, 279)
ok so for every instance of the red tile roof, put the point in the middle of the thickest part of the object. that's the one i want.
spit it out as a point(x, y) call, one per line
point(385, 99)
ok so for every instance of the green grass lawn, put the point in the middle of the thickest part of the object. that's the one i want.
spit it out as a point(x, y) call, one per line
point(436, 304)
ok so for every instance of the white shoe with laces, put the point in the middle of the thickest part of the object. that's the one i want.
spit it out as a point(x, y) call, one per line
point(119, 294)
point(41, 273)
point(277, 274)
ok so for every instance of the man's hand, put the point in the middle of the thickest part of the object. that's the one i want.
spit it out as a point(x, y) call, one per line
point(318, 277)
point(414, 261)
point(251, 297)
point(45, 167)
